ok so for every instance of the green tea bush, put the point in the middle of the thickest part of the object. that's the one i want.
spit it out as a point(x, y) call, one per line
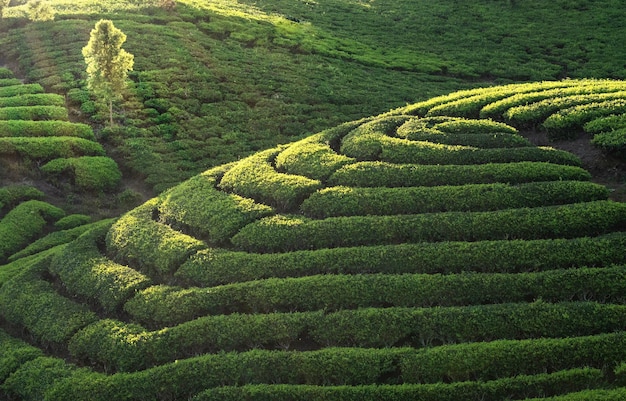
point(52, 240)
point(346, 201)
point(21, 89)
point(202, 210)
point(34, 113)
point(153, 247)
point(495, 140)
point(24, 223)
point(14, 353)
point(11, 195)
point(212, 267)
point(49, 148)
point(571, 120)
point(613, 142)
point(9, 82)
point(608, 123)
point(289, 233)
point(93, 173)
point(254, 177)
point(5, 73)
point(42, 99)
point(518, 387)
point(381, 174)
point(337, 292)
point(72, 221)
point(504, 358)
point(30, 302)
point(85, 272)
point(17, 128)
point(34, 377)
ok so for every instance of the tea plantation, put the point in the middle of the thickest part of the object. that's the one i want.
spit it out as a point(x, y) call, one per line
point(425, 253)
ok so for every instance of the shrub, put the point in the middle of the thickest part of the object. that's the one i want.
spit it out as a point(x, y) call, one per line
point(9, 82)
point(45, 128)
point(94, 173)
point(212, 267)
point(50, 148)
point(496, 140)
point(336, 292)
point(346, 201)
point(42, 99)
point(87, 273)
point(34, 113)
point(11, 195)
point(72, 221)
point(51, 240)
point(22, 89)
point(254, 177)
point(608, 123)
point(572, 119)
point(612, 141)
point(5, 73)
point(24, 223)
point(35, 377)
point(153, 247)
point(288, 233)
point(200, 209)
point(381, 174)
point(14, 353)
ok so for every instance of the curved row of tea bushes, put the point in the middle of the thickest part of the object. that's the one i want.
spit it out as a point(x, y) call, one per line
point(17, 128)
point(534, 113)
point(617, 394)
point(11, 195)
point(256, 178)
point(13, 353)
point(86, 273)
point(153, 305)
point(346, 201)
point(31, 302)
point(9, 82)
point(212, 267)
point(395, 150)
point(134, 237)
point(380, 174)
point(484, 141)
point(91, 173)
point(24, 223)
point(129, 347)
point(34, 113)
point(518, 387)
point(21, 89)
point(612, 142)
point(584, 87)
point(39, 99)
point(201, 210)
point(567, 120)
point(348, 366)
point(283, 233)
point(49, 148)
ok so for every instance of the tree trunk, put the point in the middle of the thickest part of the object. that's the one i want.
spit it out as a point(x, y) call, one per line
point(111, 112)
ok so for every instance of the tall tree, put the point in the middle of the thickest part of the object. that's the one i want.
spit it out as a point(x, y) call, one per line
point(3, 4)
point(107, 63)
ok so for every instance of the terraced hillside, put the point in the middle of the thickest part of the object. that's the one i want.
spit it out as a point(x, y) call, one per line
point(419, 254)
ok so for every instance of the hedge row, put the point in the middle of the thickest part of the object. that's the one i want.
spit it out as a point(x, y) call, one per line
point(380, 174)
point(608, 123)
point(212, 267)
point(569, 120)
point(91, 173)
point(283, 233)
point(155, 248)
point(517, 387)
point(484, 141)
point(9, 82)
point(395, 150)
point(13, 354)
point(129, 347)
point(534, 113)
point(29, 301)
point(617, 394)
point(612, 142)
point(311, 158)
point(198, 208)
point(85, 272)
point(584, 87)
point(21, 89)
point(39, 99)
point(17, 128)
point(34, 113)
point(24, 223)
point(346, 201)
point(348, 366)
point(153, 305)
point(255, 178)
point(50, 148)
point(5, 73)
point(422, 108)
point(11, 195)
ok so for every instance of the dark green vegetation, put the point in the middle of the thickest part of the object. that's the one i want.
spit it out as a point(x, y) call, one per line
point(432, 252)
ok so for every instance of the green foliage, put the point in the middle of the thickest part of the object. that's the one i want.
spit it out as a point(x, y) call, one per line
point(255, 178)
point(381, 174)
point(9, 81)
point(72, 221)
point(14, 353)
point(91, 173)
point(5, 73)
point(23, 128)
point(39, 10)
point(34, 113)
point(11, 195)
point(288, 233)
point(42, 99)
point(346, 201)
point(49, 148)
point(24, 223)
point(217, 266)
point(568, 121)
point(32, 380)
point(22, 89)
point(613, 142)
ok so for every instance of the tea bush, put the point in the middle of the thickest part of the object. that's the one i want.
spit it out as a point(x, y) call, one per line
point(91, 173)
point(16, 128)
